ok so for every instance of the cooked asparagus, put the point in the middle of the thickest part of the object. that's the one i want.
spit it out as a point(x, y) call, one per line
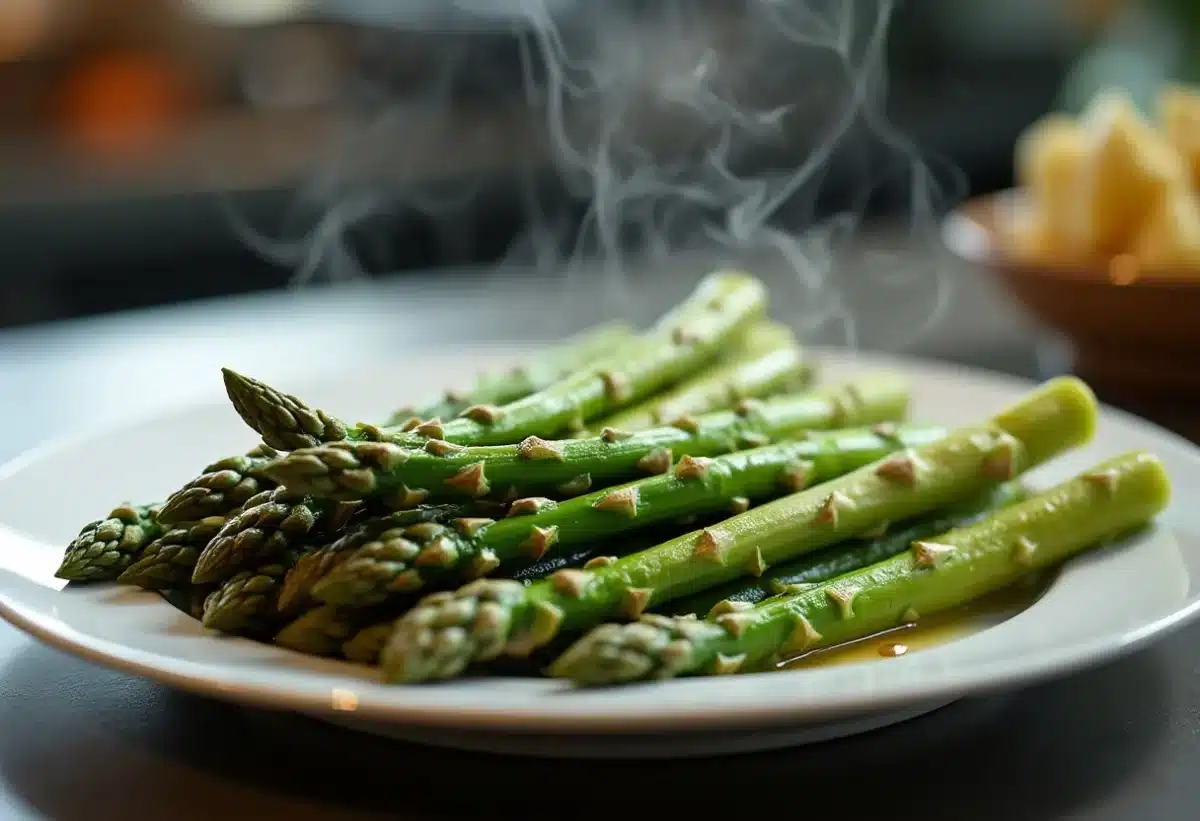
point(246, 603)
point(537, 373)
point(491, 617)
point(427, 555)
point(316, 564)
point(169, 560)
point(349, 470)
point(365, 646)
point(221, 488)
point(104, 548)
point(322, 630)
point(268, 524)
point(683, 341)
point(842, 558)
point(359, 633)
point(766, 361)
point(952, 569)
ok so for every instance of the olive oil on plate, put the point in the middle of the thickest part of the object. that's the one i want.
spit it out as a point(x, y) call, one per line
point(930, 631)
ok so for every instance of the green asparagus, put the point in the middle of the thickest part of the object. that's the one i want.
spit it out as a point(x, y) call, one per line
point(683, 341)
point(348, 470)
point(490, 617)
point(264, 528)
point(169, 560)
point(104, 548)
point(321, 631)
point(360, 633)
point(426, 555)
point(842, 558)
point(315, 564)
point(221, 489)
point(365, 645)
point(246, 602)
point(538, 373)
point(954, 568)
point(766, 361)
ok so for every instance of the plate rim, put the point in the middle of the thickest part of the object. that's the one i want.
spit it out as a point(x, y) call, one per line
point(981, 680)
point(203, 678)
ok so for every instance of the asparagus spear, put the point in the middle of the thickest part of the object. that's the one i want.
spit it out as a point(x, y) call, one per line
point(367, 629)
point(246, 602)
point(365, 645)
point(321, 631)
point(168, 561)
point(490, 617)
point(315, 564)
point(683, 341)
point(767, 361)
point(347, 470)
point(324, 630)
point(538, 373)
point(268, 524)
point(833, 561)
point(956, 567)
point(425, 555)
point(222, 488)
point(104, 548)
point(359, 633)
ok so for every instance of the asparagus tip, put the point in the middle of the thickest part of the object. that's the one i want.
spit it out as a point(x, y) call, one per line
point(447, 631)
point(282, 420)
point(654, 647)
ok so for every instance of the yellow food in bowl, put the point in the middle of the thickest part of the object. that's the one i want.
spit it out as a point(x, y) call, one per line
point(1112, 184)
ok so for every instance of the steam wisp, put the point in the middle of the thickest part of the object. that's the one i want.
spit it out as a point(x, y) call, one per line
point(686, 128)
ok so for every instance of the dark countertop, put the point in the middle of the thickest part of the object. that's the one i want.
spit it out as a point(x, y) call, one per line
point(1116, 743)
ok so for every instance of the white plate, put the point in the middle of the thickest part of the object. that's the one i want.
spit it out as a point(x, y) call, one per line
point(1101, 605)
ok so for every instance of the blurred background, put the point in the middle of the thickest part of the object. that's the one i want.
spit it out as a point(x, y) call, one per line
point(131, 130)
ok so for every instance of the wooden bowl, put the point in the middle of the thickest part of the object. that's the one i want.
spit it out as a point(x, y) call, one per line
point(1135, 333)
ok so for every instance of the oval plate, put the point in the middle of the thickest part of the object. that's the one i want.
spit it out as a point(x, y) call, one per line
point(1103, 604)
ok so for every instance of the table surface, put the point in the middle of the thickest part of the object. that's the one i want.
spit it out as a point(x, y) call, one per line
point(1117, 743)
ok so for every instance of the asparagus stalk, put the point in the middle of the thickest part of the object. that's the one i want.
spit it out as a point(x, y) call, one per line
point(833, 561)
point(104, 548)
point(933, 576)
point(169, 560)
point(538, 373)
point(268, 524)
point(315, 564)
point(322, 631)
point(490, 617)
point(359, 633)
point(325, 630)
point(347, 470)
point(365, 645)
point(683, 341)
point(222, 488)
point(767, 361)
point(246, 603)
point(427, 555)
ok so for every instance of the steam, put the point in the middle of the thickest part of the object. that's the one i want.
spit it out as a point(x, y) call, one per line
point(689, 129)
